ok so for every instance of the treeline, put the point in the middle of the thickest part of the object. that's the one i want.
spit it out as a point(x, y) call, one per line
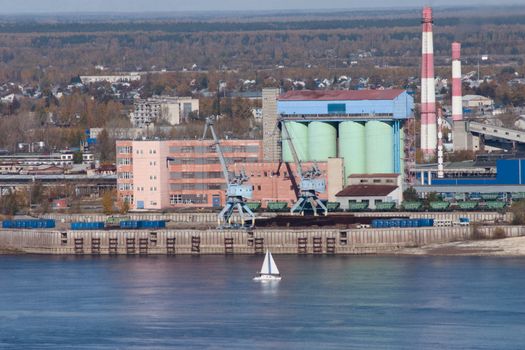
point(40, 51)
point(193, 26)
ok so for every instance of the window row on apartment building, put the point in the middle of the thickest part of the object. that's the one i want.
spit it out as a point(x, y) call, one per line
point(197, 175)
point(218, 174)
point(124, 150)
point(210, 160)
point(211, 149)
point(125, 187)
point(151, 151)
point(198, 186)
point(124, 161)
point(188, 199)
point(151, 189)
point(125, 175)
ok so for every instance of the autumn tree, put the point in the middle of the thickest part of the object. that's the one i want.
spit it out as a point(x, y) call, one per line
point(107, 202)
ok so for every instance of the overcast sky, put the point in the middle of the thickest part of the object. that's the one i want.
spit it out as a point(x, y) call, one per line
point(53, 6)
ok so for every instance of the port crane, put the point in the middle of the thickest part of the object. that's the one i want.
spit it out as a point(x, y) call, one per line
point(237, 188)
point(310, 185)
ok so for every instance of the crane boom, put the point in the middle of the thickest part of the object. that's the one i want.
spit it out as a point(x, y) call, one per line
point(236, 189)
point(217, 144)
point(311, 183)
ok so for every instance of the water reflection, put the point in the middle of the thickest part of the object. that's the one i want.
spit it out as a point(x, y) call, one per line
point(269, 287)
point(212, 302)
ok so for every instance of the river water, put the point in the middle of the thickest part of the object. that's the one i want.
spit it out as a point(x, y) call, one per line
point(211, 302)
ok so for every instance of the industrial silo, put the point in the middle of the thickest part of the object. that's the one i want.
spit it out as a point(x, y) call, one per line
point(299, 136)
point(352, 147)
point(379, 147)
point(322, 141)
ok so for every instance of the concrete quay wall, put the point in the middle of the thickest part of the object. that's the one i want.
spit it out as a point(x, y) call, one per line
point(279, 241)
point(211, 218)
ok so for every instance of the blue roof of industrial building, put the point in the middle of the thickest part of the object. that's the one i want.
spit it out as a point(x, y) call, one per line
point(347, 104)
point(340, 95)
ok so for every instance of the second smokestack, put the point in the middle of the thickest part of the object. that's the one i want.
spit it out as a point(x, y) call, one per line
point(428, 90)
point(457, 95)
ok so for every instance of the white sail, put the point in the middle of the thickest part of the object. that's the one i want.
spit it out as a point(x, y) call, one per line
point(265, 269)
point(273, 268)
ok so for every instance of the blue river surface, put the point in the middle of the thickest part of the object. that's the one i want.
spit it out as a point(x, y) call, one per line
point(211, 302)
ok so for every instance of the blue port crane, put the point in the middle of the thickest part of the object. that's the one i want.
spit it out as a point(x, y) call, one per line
point(238, 189)
point(311, 183)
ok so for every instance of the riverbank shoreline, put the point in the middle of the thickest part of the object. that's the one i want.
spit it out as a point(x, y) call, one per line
point(505, 247)
point(457, 240)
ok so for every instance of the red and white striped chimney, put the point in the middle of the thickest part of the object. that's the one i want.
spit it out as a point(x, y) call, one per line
point(457, 97)
point(428, 90)
point(441, 172)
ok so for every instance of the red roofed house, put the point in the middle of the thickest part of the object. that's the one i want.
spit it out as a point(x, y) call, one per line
point(371, 189)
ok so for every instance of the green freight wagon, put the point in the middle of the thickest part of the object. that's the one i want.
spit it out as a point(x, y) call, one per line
point(439, 206)
point(489, 196)
point(470, 205)
point(357, 206)
point(495, 205)
point(460, 196)
point(254, 206)
point(333, 206)
point(412, 206)
point(277, 206)
point(386, 206)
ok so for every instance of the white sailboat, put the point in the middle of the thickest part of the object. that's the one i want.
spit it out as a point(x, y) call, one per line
point(269, 271)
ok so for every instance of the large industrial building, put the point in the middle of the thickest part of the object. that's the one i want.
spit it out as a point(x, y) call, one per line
point(157, 175)
point(364, 128)
point(346, 133)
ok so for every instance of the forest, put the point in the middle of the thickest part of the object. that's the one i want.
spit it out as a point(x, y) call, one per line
point(36, 50)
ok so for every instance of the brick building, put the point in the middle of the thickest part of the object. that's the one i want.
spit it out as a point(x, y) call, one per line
point(192, 177)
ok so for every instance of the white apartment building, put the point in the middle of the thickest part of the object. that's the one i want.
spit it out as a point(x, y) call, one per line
point(172, 110)
point(125, 78)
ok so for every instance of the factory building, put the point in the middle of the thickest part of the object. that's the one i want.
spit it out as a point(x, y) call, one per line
point(158, 175)
point(364, 128)
point(345, 133)
point(506, 179)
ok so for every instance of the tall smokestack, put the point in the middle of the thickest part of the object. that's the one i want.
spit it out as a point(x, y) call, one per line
point(428, 93)
point(441, 173)
point(457, 99)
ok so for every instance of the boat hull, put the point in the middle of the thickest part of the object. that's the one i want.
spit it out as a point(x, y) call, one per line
point(267, 278)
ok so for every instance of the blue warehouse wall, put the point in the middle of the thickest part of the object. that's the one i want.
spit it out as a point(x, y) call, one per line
point(399, 108)
point(508, 172)
point(403, 106)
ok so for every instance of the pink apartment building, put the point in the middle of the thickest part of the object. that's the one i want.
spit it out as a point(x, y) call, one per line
point(156, 175)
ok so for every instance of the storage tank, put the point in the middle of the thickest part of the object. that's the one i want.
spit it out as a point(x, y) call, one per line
point(299, 135)
point(379, 147)
point(352, 147)
point(322, 141)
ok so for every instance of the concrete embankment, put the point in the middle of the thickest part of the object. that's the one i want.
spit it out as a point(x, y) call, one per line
point(211, 218)
point(279, 241)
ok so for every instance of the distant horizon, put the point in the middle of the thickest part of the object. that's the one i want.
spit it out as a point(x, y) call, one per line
point(98, 7)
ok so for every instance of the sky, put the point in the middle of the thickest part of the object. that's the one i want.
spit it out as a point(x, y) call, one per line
point(54, 6)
